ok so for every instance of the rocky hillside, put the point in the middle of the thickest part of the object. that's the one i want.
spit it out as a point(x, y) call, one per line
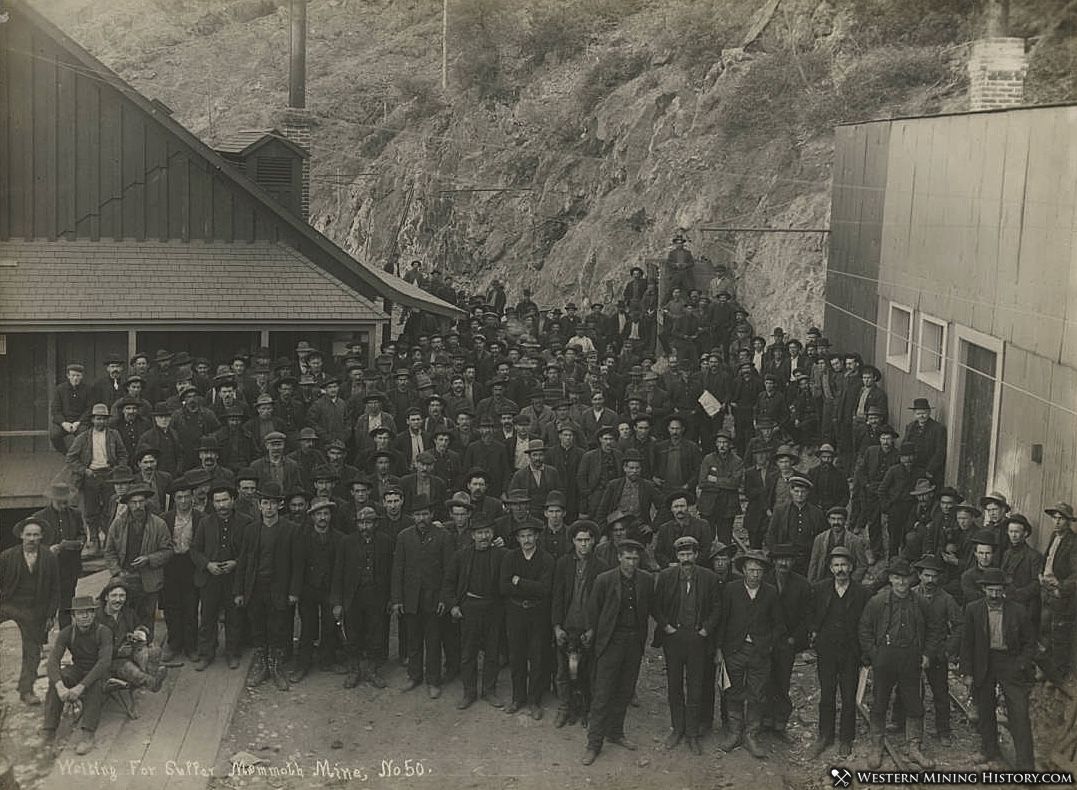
point(574, 137)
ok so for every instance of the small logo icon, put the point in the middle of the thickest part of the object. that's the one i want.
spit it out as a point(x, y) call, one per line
point(842, 777)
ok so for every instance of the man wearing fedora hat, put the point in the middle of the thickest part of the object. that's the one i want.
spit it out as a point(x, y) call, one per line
point(618, 610)
point(686, 614)
point(64, 537)
point(137, 548)
point(316, 548)
point(163, 438)
point(1059, 583)
point(997, 649)
point(421, 556)
point(266, 584)
point(536, 478)
point(837, 602)
point(30, 596)
point(929, 438)
point(179, 595)
point(472, 594)
point(90, 646)
point(750, 623)
point(797, 523)
point(897, 635)
point(215, 551)
point(92, 455)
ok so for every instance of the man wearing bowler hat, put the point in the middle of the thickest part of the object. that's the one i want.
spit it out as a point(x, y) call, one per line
point(618, 609)
point(64, 537)
point(215, 550)
point(686, 615)
point(30, 596)
point(997, 649)
point(1059, 583)
point(750, 624)
point(897, 635)
point(797, 523)
point(90, 646)
point(137, 548)
point(929, 438)
point(837, 602)
point(265, 585)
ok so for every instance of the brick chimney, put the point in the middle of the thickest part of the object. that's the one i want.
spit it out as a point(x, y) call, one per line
point(295, 121)
point(997, 68)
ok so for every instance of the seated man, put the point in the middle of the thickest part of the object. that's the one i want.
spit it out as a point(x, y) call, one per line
point(90, 645)
point(134, 658)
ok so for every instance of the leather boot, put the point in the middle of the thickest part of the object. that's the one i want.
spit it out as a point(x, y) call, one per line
point(878, 751)
point(276, 669)
point(259, 668)
point(914, 733)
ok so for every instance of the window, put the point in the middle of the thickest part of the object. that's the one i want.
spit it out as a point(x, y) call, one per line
point(931, 358)
point(899, 337)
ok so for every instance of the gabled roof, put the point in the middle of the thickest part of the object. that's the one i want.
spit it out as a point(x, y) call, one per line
point(243, 142)
point(385, 284)
point(47, 283)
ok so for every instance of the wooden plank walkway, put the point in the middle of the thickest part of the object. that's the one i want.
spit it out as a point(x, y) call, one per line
point(171, 746)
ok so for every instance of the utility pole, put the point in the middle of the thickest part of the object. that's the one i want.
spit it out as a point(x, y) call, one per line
point(444, 45)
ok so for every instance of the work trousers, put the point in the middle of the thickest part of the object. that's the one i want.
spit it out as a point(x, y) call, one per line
point(1002, 670)
point(748, 667)
point(895, 667)
point(364, 622)
point(779, 706)
point(615, 676)
point(480, 631)
point(316, 624)
point(685, 652)
point(32, 635)
point(92, 697)
point(179, 599)
point(271, 622)
point(527, 631)
point(216, 596)
point(837, 670)
point(424, 645)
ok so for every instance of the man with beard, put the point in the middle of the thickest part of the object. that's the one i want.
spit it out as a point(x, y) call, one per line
point(423, 552)
point(265, 586)
point(686, 614)
point(360, 595)
point(794, 600)
point(137, 548)
point(215, 554)
point(836, 605)
point(29, 595)
point(618, 608)
point(526, 580)
point(472, 593)
point(64, 537)
point(179, 595)
point(682, 524)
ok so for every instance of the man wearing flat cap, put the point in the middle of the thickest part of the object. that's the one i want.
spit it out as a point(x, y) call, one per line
point(1059, 583)
point(618, 610)
point(138, 546)
point(797, 523)
point(686, 615)
point(837, 602)
point(215, 549)
point(266, 585)
point(997, 650)
point(897, 635)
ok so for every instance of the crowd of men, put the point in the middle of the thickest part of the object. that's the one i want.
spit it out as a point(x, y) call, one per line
point(535, 488)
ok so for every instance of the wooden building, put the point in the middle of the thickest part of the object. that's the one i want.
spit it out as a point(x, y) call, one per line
point(953, 265)
point(122, 231)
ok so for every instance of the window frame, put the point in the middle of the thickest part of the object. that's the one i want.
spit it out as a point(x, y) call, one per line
point(934, 379)
point(902, 362)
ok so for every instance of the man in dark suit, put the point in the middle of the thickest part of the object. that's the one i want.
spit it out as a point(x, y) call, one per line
point(794, 596)
point(215, 554)
point(997, 648)
point(472, 594)
point(420, 559)
point(618, 609)
point(686, 614)
point(630, 494)
point(360, 595)
point(836, 606)
point(750, 624)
